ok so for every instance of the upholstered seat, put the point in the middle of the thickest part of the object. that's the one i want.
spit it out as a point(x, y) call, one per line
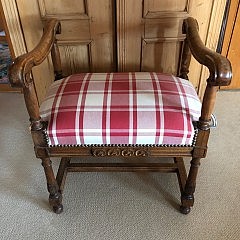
point(121, 108)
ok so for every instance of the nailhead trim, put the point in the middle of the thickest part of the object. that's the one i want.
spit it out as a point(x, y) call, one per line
point(120, 145)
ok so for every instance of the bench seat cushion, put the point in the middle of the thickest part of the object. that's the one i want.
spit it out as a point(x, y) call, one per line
point(121, 108)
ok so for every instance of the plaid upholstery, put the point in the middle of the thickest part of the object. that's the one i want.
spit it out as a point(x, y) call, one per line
point(121, 108)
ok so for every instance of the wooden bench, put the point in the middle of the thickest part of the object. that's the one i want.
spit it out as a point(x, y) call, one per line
point(122, 115)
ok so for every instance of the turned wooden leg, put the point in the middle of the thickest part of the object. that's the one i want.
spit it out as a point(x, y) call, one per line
point(55, 197)
point(62, 173)
point(181, 173)
point(187, 197)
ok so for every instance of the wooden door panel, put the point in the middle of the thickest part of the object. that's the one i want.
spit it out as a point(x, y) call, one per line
point(158, 40)
point(62, 7)
point(74, 30)
point(162, 42)
point(163, 27)
point(75, 58)
point(156, 6)
point(86, 42)
point(158, 55)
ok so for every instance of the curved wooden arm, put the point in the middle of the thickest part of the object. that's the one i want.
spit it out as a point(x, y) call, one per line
point(219, 66)
point(23, 64)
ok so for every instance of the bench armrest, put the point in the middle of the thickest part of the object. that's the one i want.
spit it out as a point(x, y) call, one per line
point(23, 64)
point(218, 65)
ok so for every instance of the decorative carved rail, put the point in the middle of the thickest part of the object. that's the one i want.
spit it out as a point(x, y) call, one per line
point(125, 152)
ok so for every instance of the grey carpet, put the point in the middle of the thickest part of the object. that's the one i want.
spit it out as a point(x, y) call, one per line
point(119, 205)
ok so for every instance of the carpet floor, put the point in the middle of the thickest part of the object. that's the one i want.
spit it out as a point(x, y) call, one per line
point(119, 206)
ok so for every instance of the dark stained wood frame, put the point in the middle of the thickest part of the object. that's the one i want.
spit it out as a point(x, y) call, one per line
point(220, 75)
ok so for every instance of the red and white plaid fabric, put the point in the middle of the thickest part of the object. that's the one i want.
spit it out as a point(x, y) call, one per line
point(121, 108)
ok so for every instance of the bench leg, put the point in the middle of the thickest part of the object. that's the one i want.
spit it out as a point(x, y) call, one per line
point(55, 197)
point(187, 197)
point(62, 173)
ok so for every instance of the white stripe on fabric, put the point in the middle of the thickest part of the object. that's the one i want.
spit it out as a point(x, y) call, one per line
point(78, 106)
point(54, 125)
point(130, 109)
point(161, 107)
point(108, 107)
point(96, 109)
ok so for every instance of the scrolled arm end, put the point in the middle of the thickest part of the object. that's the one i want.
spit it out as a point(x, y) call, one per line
point(218, 65)
point(18, 70)
point(220, 70)
point(23, 64)
point(15, 75)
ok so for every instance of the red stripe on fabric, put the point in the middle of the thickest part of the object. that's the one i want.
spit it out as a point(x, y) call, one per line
point(67, 134)
point(156, 92)
point(82, 106)
point(104, 110)
point(67, 119)
point(178, 135)
point(134, 92)
point(119, 114)
point(53, 110)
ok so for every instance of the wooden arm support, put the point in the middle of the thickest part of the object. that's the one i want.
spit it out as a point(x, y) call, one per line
point(219, 66)
point(22, 65)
